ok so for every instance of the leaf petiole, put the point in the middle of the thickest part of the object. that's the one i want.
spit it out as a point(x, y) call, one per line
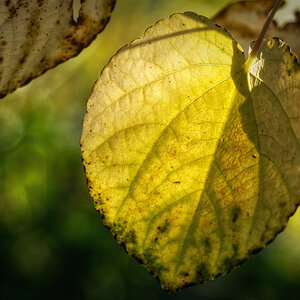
point(262, 34)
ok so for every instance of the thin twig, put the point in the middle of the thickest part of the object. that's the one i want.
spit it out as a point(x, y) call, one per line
point(262, 34)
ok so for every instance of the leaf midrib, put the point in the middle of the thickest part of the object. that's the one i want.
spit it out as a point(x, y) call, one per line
point(193, 217)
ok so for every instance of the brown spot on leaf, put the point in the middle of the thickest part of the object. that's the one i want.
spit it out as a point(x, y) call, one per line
point(235, 213)
point(202, 273)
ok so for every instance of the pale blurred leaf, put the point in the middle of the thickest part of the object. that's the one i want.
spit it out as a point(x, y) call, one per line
point(245, 19)
point(38, 35)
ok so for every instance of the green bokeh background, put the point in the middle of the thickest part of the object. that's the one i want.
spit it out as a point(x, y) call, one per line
point(52, 242)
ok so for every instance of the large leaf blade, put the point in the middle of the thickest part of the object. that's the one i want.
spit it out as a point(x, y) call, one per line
point(173, 156)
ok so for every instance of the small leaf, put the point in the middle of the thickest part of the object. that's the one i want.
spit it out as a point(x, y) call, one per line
point(38, 35)
point(193, 163)
point(245, 19)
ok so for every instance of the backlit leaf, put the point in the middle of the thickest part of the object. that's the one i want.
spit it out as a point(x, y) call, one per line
point(245, 20)
point(38, 35)
point(193, 163)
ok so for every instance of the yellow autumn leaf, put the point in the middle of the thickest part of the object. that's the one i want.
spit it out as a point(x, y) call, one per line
point(245, 19)
point(193, 162)
point(38, 35)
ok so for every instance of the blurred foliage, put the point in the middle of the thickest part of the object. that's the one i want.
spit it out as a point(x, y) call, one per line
point(53, 243)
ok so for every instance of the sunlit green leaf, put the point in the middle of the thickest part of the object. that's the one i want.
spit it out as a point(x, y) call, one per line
point(193, 162)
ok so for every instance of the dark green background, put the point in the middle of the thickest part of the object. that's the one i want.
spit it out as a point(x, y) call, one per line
point(53, 243)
